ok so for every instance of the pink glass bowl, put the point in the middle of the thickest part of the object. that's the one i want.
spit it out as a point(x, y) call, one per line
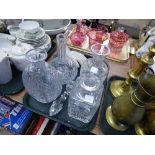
point(118, 39)
point(96, 36)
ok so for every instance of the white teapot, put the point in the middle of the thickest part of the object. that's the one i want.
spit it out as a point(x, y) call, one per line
point(5, 68)
point(18, 55)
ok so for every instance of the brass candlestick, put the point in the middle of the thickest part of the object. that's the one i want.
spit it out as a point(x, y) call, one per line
point(129, 109)
point(147, 125)
point(119, 87)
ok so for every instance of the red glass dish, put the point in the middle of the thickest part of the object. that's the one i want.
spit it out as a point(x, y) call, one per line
point(118, 39)
point(96, 36)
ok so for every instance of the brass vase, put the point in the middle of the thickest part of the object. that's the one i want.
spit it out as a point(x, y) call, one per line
point(120, 87)
point(129, 109)
point(147, 125)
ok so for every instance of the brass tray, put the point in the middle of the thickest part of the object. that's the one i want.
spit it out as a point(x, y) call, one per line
point(122, 56)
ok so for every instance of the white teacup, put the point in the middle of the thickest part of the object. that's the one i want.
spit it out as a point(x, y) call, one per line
point(29, 26)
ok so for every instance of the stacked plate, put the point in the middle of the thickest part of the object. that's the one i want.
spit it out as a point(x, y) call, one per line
point(30, 33)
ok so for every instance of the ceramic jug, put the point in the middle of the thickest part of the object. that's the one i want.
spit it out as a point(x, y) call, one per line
point(18, 55)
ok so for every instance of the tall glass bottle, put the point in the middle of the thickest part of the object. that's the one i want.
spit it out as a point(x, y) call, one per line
point(66, 68)
point(39, 78)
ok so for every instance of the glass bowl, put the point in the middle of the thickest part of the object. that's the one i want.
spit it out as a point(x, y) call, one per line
point(100, 50)
point(96, 36)
point(118, 39)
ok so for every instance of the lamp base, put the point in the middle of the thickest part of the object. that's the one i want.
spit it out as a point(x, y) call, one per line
point(139, 129)
point(117, 88)
point(112, 121)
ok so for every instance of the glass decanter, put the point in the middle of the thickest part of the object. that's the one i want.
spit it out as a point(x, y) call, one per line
point(97, 64)
point(39, 78)
point(66, 68)
point(84, 98)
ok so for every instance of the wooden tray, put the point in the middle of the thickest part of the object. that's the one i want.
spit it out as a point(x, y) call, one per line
point(122, 56)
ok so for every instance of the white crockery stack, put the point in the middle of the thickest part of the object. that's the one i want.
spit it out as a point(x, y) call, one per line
point(31, 33)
